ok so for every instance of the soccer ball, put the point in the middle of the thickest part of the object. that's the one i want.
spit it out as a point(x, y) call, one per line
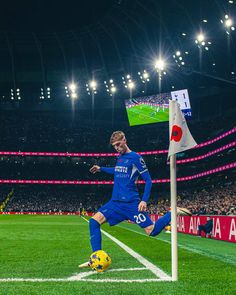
point(99, 261)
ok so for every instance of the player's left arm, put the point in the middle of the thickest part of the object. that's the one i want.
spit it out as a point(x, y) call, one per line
point(143, 170)
point(147, 190)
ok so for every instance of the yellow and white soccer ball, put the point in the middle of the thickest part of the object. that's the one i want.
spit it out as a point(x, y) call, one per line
point(99, 261)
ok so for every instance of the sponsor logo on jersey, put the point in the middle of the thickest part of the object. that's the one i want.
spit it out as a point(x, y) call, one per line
point(121, 169)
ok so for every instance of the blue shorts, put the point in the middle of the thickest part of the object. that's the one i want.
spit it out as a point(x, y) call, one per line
point(116, 212)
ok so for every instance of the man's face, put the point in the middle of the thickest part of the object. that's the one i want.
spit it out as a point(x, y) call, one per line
point(120, 146)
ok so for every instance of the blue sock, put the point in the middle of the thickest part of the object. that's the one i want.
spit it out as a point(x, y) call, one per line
point(160, 224)
point(95, 235)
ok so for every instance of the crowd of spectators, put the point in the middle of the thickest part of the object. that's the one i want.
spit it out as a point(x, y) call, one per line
point(64, 133)
point(158, 100)
point(213, 200)
point(55, 199)
point(206, 201)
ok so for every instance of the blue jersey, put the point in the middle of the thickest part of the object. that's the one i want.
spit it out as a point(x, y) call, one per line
point(127, 170)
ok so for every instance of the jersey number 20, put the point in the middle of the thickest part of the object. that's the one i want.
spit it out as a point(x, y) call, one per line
point(140, 218)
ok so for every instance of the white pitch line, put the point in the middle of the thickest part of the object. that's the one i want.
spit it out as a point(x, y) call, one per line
point(82, 277)
point(188, 248)
point(153, 268)
point(12, 280)
point(124, 281)
point(149, 117)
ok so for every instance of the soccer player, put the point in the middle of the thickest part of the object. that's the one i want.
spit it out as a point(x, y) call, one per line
point(126, 203)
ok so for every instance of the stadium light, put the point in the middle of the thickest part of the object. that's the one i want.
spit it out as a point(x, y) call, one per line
point(74, 95)
point(131, 85)
point(178, 58)
point(202, 42)
point(160, 64)
point(72, 87)
point(228, 23)
point(145, 75)
point(93, 84)
point(113, 89)
point(18, 93)
point(70, 91)
point(110, 87)
point(200, 38)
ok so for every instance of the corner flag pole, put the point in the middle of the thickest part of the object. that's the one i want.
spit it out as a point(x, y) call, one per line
point(173, 196)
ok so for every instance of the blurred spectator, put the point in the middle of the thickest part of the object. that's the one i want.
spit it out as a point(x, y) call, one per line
point(206, 228)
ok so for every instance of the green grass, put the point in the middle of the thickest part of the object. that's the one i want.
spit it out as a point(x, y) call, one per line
point(53, 246)
point(145, 114)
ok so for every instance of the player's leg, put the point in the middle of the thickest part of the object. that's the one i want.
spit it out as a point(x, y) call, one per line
point(95, 234)
point(162, 222)
point(143, 220)
point(95, 231)
point(159, 225)
point(105, 214)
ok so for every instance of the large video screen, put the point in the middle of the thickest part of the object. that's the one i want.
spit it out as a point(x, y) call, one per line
point(155, 108)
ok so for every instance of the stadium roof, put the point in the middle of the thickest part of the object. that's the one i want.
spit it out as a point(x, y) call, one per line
point(50, 44)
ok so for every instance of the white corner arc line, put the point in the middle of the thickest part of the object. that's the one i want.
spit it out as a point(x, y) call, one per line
point(123, 281)
point(82, 277)
point(153, 268)
point(44, 280)
point(86, 274)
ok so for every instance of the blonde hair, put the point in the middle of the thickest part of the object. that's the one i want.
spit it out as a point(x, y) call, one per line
point(117, 136)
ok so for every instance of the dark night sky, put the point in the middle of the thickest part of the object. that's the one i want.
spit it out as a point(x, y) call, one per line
point(50, 43)
point(52, 15)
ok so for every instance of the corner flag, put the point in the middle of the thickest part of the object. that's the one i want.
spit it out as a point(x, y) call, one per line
point(180, 136)
point(180, 140)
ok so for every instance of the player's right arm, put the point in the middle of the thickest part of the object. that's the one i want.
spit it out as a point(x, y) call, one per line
point(96, 168)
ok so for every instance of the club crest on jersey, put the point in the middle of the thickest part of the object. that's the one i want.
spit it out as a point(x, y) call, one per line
point(142, 162)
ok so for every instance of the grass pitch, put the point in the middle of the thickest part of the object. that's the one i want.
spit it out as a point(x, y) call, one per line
point(146, 114)
point(49, 248)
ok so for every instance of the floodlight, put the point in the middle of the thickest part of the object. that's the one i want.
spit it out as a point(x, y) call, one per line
point(160, 64)
point(93, 84)
point(73, 95)
point(228, 23)
point(200, 37)
point(113, 89)
point(131, 85)
point(72, 87)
